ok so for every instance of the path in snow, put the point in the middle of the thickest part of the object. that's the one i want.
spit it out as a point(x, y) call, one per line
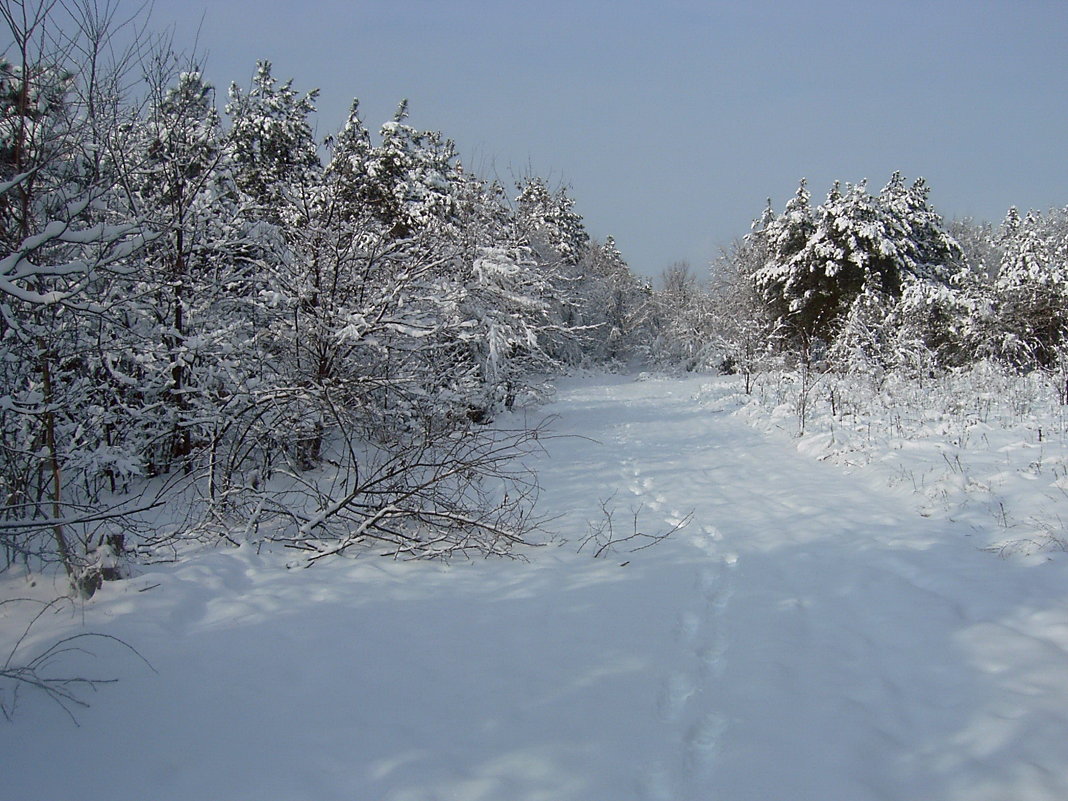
point(807, 637)
point(835, 645)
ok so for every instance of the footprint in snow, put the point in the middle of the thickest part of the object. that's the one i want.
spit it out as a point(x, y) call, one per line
point(715, 587)
point(655, 784)
point(703, 741)
point(676, 519)
point(711, 532)
point(674, 694)
point(710, 656)
point(687, 626)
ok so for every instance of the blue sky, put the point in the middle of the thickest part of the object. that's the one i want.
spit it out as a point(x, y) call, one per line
point(674, 122)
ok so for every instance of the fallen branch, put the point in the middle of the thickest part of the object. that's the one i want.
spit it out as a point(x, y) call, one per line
point(604, 536)
point(64, 690)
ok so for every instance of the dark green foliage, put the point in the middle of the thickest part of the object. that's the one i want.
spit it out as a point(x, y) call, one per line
point(818, 263)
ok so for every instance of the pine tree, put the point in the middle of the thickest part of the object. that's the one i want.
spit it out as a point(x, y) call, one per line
point(550, 224)
point(411, 178)
point(179, 186)
point(925, 248)
point(272, 145)
point(782, 243)
point(820, 263)
point(350, 166)
point(615, 306)
point(1031, 291)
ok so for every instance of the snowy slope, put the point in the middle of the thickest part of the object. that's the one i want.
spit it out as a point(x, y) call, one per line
point(806, 636)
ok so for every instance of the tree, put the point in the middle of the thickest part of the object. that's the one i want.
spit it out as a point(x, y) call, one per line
point(411, 178)
point(614, 305)
point(181, 186)
point(62, 255)
point(606, 308)
point(550, 223)
point(854, 248)
point(742, 333)
point(507, 311)
point(272, 145)
point(1031, 290)
point(925, 248)
point(782, 243)
point(685, 322)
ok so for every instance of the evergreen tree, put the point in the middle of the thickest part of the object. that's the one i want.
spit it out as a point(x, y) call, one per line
point(550, 224)
point(411, 178)
point(272, 146)
point(926, 250)
point(1031, 291)
point(349, 167)
point(782, 242)
point(615, 306)
point(820, 263)
point(180, 187)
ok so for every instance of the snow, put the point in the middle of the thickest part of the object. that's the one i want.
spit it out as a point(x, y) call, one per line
point(808, 635)
point(983, 446)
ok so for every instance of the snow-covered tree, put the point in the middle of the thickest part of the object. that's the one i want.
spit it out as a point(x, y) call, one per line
point(605, 306)
point(507, 313)
point(614, 306)
point(684, 322)
point(272, 145)
point(550, 223)
point(61, 254)
point(782, 241)
point(742, 333)
point(821, 262)
point(924, 247)
point(181, 186)
point(1031, 289)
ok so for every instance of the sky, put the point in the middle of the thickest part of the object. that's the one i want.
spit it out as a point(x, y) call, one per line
point(673, 123)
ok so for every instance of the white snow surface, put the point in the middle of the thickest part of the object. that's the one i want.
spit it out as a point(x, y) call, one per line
point(808, 636)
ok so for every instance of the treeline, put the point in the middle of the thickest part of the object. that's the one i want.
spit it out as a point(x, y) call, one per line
point(879, 281)
point(211, 306)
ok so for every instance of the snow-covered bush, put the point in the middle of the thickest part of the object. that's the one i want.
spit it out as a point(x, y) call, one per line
point(202, 314)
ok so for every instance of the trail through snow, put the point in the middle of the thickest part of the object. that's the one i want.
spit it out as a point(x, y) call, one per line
point(807, 636)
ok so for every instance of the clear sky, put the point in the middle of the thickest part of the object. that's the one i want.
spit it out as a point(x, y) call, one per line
point(674, 121)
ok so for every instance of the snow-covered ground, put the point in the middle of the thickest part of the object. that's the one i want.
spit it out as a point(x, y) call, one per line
point(983, 446)
point(808, 635)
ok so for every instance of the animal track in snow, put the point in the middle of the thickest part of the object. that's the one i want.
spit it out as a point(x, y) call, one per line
point(694, 729)
point(676, 519)
point(658, 501)
point(715, 588)
point(641, 487)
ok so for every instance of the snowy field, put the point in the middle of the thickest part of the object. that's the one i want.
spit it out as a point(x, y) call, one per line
point(981, 446)
point(808, 635)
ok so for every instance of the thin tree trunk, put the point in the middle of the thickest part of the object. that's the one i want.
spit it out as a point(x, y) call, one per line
point(54, 468)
